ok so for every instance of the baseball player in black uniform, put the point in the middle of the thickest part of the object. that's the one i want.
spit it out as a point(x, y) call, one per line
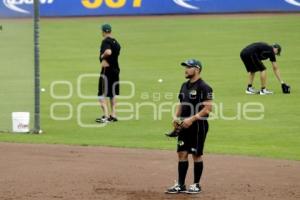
point(195, 105)
point(108, 86)
point(252, 56)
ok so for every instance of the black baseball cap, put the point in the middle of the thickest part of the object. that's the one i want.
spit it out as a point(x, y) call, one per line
point(192, 63)
point(106, 28)
point(277, 46)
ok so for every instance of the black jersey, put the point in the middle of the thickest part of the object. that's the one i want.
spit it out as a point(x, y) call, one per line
point(260, 50)
point(192, 95)
point(111, 43)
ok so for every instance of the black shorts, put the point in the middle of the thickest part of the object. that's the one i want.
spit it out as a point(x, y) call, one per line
point(252, 63)
point(192, 139)
point(108, 85)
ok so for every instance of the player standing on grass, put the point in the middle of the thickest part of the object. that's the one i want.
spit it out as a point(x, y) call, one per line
point(195, 105)
point(108, 86)
point(252, 56)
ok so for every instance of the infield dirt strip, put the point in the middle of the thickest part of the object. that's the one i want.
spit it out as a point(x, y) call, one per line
point(42, 172)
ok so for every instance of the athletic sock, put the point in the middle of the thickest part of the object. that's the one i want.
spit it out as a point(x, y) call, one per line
point(249, 85)
point(182, 171)
point(198, 168)
point(262, 88)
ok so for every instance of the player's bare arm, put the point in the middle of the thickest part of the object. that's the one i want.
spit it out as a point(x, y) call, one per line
point(106, 54)
point(277, 72)
point(204, 112)
point(104, 63)
point(178, 111)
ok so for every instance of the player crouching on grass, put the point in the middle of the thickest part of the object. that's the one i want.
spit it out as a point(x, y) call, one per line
point(108, 85)
point(252, 56)
point(195, 98)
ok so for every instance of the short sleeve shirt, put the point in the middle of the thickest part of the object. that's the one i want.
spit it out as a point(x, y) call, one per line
point(261, 50)
point(192, 96)
point(111, 43)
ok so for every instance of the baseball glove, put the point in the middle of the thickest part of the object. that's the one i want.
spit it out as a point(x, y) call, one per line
point(286, 89)
point(177, 128)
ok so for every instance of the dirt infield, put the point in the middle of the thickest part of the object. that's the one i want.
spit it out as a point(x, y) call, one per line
point(43, 172)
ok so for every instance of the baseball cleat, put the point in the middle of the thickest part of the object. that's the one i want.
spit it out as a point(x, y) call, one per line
point(251, 90)
point(176, 189)
point(102, 120)
point(112, 119)
point(265, 92)
point(194, 189)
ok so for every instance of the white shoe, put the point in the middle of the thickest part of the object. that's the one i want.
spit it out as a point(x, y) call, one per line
point(251, 90)
point(194, 189)
point(102, 120)
point(176, 189)
point(265, 92)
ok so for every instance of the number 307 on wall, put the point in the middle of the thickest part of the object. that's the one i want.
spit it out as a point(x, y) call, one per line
point(92, 4)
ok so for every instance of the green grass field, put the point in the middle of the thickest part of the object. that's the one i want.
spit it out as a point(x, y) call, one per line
point(152, 49)
point(16, 52)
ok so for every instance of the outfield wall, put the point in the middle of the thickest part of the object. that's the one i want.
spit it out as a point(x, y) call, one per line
point(58, 8)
